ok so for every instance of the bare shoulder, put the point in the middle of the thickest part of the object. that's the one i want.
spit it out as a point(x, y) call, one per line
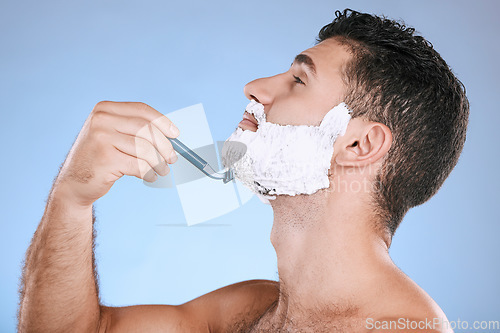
point(213, 312)
point(406, 307)
point(413, 317)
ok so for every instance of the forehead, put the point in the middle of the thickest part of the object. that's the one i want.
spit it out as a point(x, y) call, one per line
point(329, 57)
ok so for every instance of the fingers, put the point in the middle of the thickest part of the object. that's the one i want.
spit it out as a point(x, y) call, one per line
point(138, 134)
point(143, 150)
point(152, 134)
point(144, 129)
point(132, 166)
point(141, 110)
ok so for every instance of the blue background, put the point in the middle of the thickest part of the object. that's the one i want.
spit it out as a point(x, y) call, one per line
point(59, 58)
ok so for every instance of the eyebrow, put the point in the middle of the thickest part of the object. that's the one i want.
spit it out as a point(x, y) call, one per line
point(307, 61)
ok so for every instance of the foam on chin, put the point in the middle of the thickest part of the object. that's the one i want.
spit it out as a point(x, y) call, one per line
point(284, 159)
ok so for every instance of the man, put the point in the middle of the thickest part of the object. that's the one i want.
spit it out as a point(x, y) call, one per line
point(409, 117)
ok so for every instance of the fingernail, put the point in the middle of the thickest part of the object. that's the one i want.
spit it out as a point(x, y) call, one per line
point(174, 131)
point(173, 157)
point(151, 175)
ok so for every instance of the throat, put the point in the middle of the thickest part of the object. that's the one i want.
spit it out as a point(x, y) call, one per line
point(324, 257)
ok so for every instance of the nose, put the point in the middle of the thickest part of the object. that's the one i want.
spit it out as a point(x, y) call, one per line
point(261, 90)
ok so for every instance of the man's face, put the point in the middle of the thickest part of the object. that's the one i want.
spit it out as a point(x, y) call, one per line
point(291, 160)
point(306, 92)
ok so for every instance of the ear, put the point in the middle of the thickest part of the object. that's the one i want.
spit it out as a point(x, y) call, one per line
point(365, 142)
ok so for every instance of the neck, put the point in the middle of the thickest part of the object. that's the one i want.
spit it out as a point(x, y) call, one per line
point(327, 249)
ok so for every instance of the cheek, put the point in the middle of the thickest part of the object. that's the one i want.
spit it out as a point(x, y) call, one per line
point(300, 109)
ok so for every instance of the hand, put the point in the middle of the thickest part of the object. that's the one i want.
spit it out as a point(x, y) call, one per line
point(118, 138)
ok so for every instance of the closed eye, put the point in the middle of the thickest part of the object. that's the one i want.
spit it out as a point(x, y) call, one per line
point(298, 80)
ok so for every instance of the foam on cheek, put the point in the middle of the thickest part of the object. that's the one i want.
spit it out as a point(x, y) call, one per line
point(284, 159)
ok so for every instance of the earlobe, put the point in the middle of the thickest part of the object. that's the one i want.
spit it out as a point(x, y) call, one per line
point(366, 144)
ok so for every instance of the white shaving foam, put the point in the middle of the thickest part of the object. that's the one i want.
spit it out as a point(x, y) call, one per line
point(284, 159)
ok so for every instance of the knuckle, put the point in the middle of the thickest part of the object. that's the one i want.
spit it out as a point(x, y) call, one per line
point(98, 120)
point(144, 123)
point(98, 115)
point(102, 105)
point(142, 107)
point(142, 126)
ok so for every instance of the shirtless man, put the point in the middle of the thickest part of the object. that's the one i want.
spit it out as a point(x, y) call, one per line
point(335, 274)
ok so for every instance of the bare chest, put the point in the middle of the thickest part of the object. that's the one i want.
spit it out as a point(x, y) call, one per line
point(269, 323)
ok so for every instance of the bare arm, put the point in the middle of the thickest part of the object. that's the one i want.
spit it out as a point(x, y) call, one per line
point(59, 291)
point(230, 309)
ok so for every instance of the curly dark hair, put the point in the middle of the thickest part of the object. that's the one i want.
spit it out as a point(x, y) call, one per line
point(396, 78)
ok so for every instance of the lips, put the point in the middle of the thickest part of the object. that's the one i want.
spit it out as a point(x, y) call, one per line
point(248, 123)
point(250, 118)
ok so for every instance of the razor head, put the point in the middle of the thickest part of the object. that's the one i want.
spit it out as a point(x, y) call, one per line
point(228, 176)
